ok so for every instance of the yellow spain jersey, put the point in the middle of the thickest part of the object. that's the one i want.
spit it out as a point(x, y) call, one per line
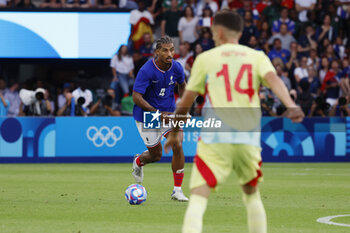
point(230, 76)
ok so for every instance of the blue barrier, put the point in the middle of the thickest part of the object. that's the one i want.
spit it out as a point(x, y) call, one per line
point(115, 139)
point(314, 140)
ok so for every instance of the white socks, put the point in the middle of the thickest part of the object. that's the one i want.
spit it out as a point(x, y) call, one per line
point(194, 215)
point(256, 213)
point(197, 205)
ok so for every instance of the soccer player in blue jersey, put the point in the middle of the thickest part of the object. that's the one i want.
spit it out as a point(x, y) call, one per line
point(154, 92)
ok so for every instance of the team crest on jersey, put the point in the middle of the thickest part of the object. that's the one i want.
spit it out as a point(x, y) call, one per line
point(171, 80)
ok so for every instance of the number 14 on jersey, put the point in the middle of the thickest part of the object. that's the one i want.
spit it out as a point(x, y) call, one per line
point(244, 68)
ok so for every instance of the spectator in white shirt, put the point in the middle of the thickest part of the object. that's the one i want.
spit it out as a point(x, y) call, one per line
point(122, 67)
point(141, 21)
point(302, 7)
point(187, 26)
point(301, 71)
point(137, 14)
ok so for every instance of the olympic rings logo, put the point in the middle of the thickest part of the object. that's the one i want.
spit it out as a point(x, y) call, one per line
point(104, 135)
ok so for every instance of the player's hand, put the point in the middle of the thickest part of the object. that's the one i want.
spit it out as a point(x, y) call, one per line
point(295, 114)
point(172, 140)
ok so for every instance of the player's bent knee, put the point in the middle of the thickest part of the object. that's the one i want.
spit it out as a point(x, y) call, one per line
point(156, 156)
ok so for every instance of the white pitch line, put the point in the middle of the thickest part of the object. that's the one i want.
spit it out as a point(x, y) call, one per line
point(327, 220)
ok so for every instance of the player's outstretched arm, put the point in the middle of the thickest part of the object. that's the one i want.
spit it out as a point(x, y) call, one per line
point(294, 112)
point(141, 102)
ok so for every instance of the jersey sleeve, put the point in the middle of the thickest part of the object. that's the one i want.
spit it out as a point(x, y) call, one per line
point(197, 80)
point(181, 75)
point(264, 66)
point(141, 82)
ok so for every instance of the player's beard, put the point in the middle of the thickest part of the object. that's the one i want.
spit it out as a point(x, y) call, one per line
point(168, 60)
point(163, 63)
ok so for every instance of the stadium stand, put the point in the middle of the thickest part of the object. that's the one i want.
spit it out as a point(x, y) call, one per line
point(308, 42)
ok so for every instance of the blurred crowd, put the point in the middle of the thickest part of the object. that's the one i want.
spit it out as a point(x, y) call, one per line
point(306, 40)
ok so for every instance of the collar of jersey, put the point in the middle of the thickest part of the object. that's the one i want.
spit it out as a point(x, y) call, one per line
point(154, 63)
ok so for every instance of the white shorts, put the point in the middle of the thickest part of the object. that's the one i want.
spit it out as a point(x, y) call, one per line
point(151, 137)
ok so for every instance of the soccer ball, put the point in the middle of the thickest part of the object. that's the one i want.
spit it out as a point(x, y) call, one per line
point(135, 194)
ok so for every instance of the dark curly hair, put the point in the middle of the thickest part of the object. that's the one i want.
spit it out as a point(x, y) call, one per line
point(163, 40)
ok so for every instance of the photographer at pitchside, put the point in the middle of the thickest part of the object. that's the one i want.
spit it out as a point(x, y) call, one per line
point(35, 103)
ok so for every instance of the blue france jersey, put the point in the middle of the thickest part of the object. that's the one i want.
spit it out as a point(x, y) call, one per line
point(157, 86)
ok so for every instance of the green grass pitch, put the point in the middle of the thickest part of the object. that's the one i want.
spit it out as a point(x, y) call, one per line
point(72, 198)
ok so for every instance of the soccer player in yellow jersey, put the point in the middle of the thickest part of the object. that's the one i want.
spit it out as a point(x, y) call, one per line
point(230, 76)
